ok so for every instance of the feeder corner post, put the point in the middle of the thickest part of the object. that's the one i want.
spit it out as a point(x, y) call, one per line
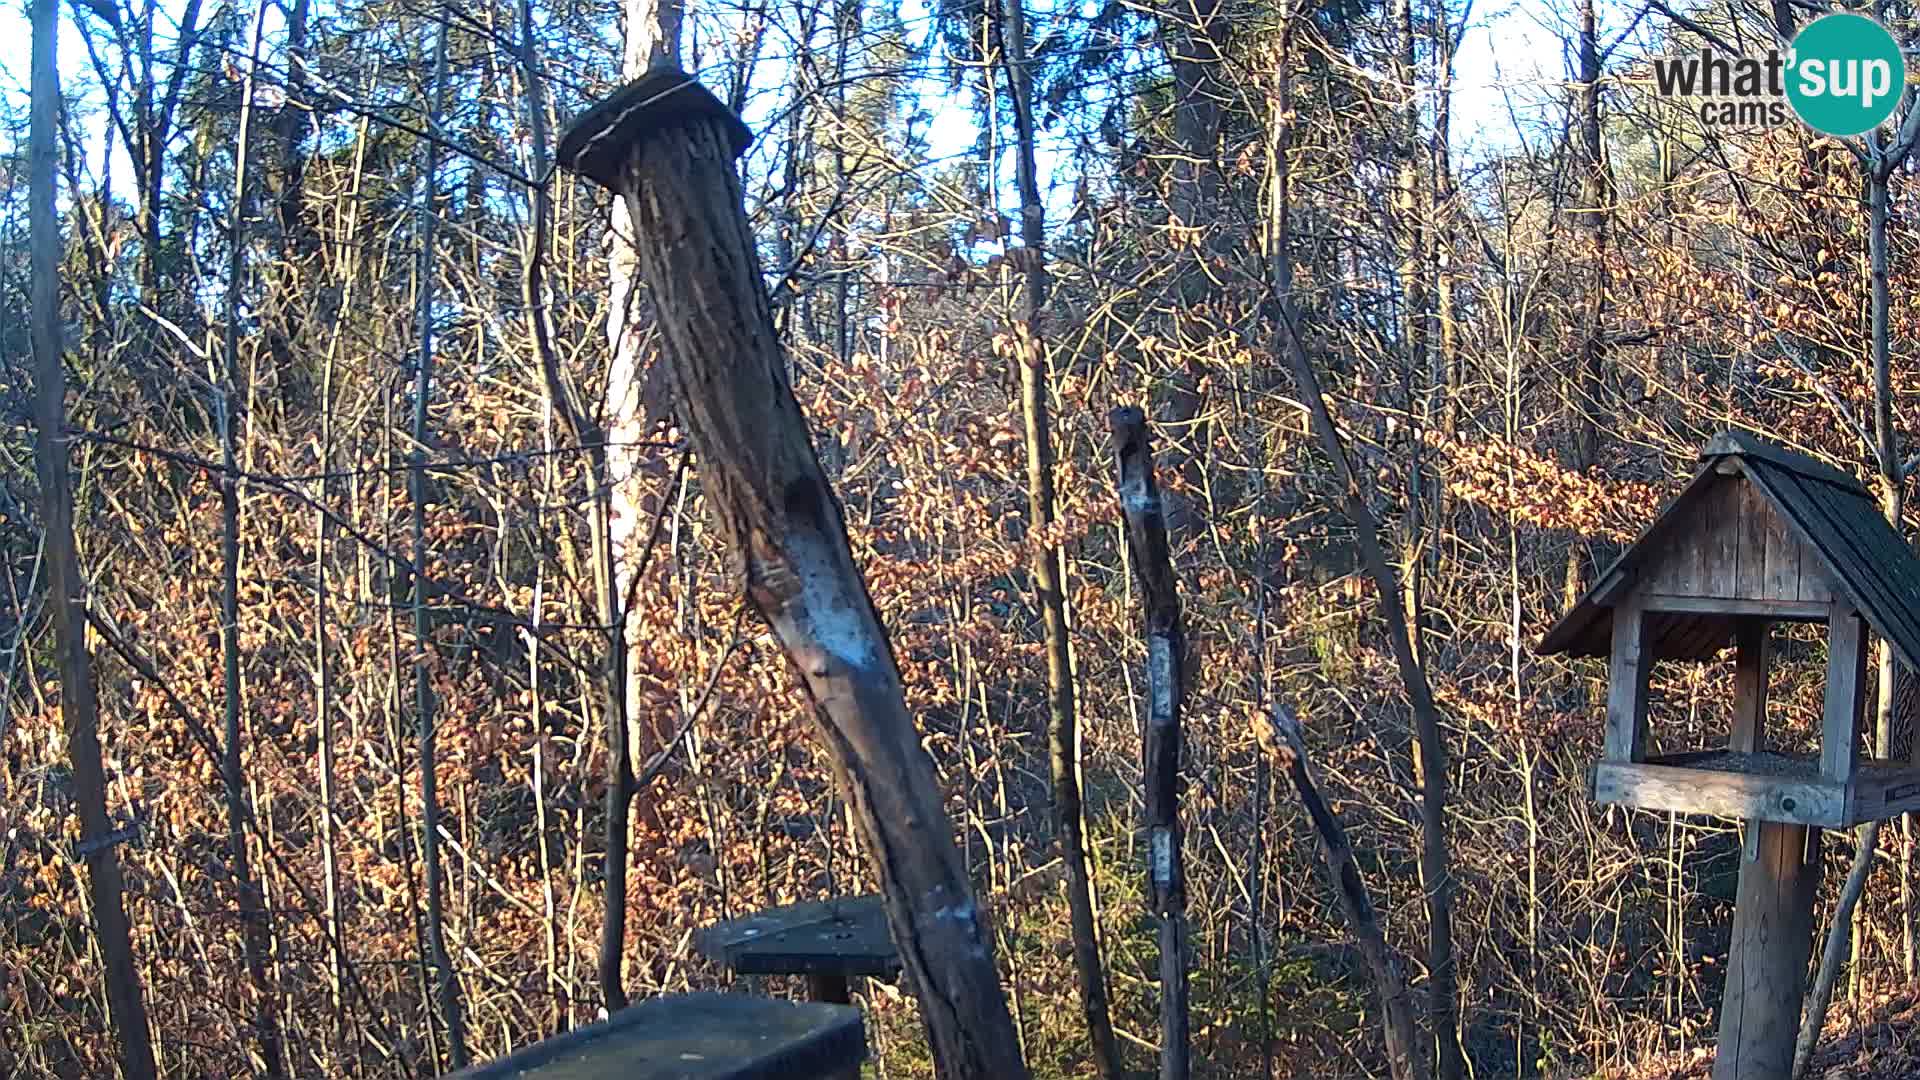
point(1773, 925)
point(667, 146)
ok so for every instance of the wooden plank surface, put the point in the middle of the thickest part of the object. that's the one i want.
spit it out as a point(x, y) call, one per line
point(1846, 682)
point(1753, 653)
point(1627, 673)
point(1690, 789)
point(1767, 960)
point(842, 936)
point(1803, 610)
point(696, 1037)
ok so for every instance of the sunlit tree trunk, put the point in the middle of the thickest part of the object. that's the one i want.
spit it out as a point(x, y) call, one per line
point(446, 983)
point(79, 708)
point(1048, 568)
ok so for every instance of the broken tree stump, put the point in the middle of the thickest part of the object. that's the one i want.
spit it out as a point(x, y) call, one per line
point(667, 146)
point(696, 1037)
point(1160, 745)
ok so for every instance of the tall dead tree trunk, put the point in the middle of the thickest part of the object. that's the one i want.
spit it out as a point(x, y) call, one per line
point(667, 146)
point(79, 708)
point(256, 936)
point(1160, 745)
point(1429, 742)
point(1048, 568)
point(1286, 742)
point(1883, 159)
point(447, 986)
point(1594, 216)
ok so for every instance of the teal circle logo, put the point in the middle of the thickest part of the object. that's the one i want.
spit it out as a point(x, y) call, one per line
point(1845, 75)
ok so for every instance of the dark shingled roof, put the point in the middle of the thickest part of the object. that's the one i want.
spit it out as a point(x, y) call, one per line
point(1829, 512)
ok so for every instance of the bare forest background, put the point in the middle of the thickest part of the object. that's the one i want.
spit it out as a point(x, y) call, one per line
point(337, 539)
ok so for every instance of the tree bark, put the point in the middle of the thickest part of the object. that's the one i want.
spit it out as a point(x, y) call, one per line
point(1429, 744)
point(1288, 745)
point(256, 937)
point(1048, 568)
point(447, 985)
point(79, 708)
point(668, 146)
point(1160, 746)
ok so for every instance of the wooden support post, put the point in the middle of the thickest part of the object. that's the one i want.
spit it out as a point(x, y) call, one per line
point(667, 146)
point(1846, 685)
point(1627, 672)
point(1767, 960)
point(1160, 745)
point(1753, 657)
point(832, 989)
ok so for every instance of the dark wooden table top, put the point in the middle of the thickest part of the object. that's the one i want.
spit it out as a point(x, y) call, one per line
point(843, 936)
point(696, 1037)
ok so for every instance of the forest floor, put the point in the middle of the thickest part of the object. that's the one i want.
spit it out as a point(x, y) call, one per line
point(1877, 1043)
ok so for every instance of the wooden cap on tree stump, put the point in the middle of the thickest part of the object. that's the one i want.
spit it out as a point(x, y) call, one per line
point(599, 141)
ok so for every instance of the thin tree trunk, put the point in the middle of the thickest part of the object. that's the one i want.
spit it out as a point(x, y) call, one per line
point(1595, 212)
point(534, 299)
point(79, 708)
point(672, 161)
point(1887, 460)
point(652, 35)
point(1287, 743)
point(447, 986)
point(255, 933)
point(1160, 747)
point(1048, 568)
point(1429, 744)
point(604, 540)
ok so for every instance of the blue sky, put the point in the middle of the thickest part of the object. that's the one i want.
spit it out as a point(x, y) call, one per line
point(1511, 61)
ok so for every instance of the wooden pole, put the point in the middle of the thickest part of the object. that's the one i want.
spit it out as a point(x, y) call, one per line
point(1160, 746)
point(666, 145)
point(1773, 909)
point(1767, 962)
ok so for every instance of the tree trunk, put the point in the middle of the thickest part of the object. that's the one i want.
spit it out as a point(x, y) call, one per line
point(1892, 487)
point(1160, 746)
point(255, 934)
point(652, 36)
point(447, 986)
point(672, 161)
point(79, 709)
point(1429, 746)
point(1048, 568)
point(1288, 744)
point(1595, 211)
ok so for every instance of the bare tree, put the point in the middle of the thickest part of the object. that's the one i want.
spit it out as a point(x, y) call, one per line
point(256, 933)
point(79, 707)
point(448, 986)
point(1048, 570)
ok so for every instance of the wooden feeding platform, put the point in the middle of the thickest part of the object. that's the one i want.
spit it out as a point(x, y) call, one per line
point(1761, 535)
point(828, 941)
point(1763, 786)
point(696, 1037)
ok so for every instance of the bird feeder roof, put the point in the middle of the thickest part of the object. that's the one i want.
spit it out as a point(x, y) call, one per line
point(1752, 509)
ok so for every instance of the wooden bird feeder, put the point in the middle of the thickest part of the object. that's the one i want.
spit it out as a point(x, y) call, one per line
point(1761, 535)
point(828, 941)
point(696, 1037)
